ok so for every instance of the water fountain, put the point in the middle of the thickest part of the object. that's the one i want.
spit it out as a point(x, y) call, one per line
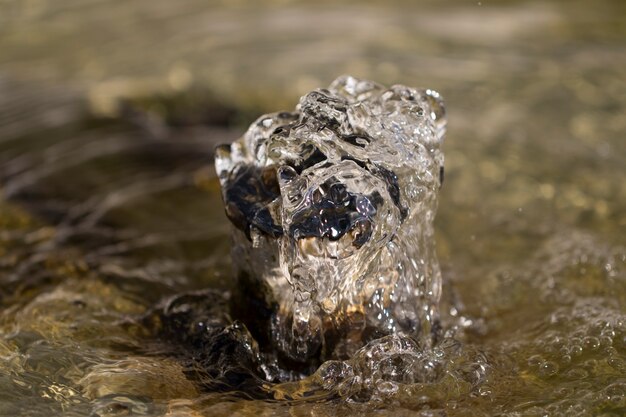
point(332, 209)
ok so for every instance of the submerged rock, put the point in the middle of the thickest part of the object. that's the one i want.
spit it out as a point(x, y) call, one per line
point(218, 353)
point(333, 207)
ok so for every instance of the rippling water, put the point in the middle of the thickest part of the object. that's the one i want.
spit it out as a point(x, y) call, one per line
point(108, 117)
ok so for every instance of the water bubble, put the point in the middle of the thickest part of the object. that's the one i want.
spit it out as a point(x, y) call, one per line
point(332, 373)
point(591, 343)
point(576, 350)
point(606, 341)
point(577, 373)
point(548, 369)
point(617, 364)
point(616, 390)
point(535, 361)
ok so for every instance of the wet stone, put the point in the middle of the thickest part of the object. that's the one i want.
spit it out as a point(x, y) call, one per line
point(216, 352)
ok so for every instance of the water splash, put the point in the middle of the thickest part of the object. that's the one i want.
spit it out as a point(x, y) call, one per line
point(396, 368)
point(333, 208)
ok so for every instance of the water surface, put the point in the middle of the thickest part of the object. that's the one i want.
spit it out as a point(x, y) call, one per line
point(108, 117)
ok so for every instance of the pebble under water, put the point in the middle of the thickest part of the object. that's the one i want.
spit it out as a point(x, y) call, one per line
point(116, 284)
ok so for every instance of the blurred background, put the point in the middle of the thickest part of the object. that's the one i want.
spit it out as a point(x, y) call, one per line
point(536, 93)
point(110, 110)
point(536, 86)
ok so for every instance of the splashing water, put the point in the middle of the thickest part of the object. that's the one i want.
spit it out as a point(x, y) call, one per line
point(333, 208)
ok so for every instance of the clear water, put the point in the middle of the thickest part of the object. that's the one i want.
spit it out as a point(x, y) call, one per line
point(109, 210)
point(333, 208)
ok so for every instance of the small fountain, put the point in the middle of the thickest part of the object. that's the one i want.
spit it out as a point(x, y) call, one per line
point(332, 208)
